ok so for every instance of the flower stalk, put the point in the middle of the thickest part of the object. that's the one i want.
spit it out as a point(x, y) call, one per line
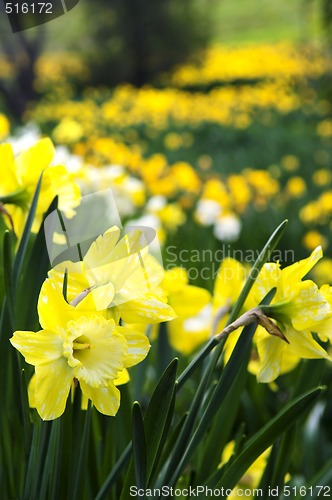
point(255, 315)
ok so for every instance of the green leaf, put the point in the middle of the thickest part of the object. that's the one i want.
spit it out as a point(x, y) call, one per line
point(197, 361)
point(155, 420)
point(79, 473)
point(114, 473)
point(263, 440)
point(231, 371)
point(240, 356)
point(33, 275)
point(26, 235)
point(157, 411)
point(139, 447)
point(50, 460)
point(216, 441)
point(322, 478)
point(26, 412)
point(8, 276)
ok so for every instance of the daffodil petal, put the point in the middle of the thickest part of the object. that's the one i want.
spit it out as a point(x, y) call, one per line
point(9, 182)
point(175, 279)
point(38, 347)
point(303, 345)
point(76, 278)
point(102, 296)
point(184, 337)
point(99, 252)
point(32, 391)
point(309, 307)
point(138, 346)
point(105, 399)
point(123, 377)
point(229, 282)
point(54, 312)
point(33, 161)
point(267, 279)
point(270, 351)
point(146, 309)
point(189, 301)
point(52, 386)
point(294, 273)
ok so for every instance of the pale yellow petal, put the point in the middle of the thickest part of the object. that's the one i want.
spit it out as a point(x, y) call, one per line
point(38, 348)
point(268, 278)
point(270, 351)
point(53, 382)
point(189, 301)
point(309, 307)
point(54, 312)
point(175, 279)
point(138, 346)
point(187, 338)
point(77, 280)
point(58, 182)
point(123, 377)
point(8, 179)
point(102, 296)
point(105, 399)
point(100, 250)
point(229, 283)
point(32, 391)
point(303, 345)
point(148, 309)
point(294, 273)
point(33, 161)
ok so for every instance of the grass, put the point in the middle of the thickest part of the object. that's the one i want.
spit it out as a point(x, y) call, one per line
point(266, 20)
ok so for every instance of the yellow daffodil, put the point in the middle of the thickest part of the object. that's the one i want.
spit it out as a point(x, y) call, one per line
point(298, 308)
point(19, 177)
point(71, 347)
point(192, 326)
point(121, 277)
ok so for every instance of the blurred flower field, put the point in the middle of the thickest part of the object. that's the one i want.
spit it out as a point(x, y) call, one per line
point(195, 141)
point(213, 157)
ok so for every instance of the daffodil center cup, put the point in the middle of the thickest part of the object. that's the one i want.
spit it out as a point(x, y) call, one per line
point(80, 344)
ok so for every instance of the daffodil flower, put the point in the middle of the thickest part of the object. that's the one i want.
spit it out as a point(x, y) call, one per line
point(19, 177)
point(119, 276)
point(71, 348)
point(298, 308)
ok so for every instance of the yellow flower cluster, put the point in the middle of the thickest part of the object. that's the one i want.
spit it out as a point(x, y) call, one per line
point(221, 201)
point(56, 73)
point(157, 108)
point(318, 211)
point(277, 61)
